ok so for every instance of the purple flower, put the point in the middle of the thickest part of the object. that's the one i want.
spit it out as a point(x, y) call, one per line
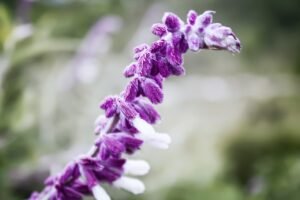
point(194, 31)
point(139, 50)
point(158, 46)
point(162, 66)
point(144, 64)
point(159, 29)
point(126, 109)
point(191, 17)
point(66, 185)
point(114, 144)
point(96, 170)
point(146, 111)
point(204, 20)
point(132, 90)
point(201, 33)
point(65, 192)
point(146, 87)
point(174, 56)
point(166, 69)
point(126, 126)
point(130, 70)
point(129, 117)
point(71, 172)
point(115, 105)
point(172, 22)
point(152, 90)
point(110, 106)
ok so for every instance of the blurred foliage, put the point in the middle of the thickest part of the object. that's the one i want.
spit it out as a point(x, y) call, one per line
point(15, 152)
point(263, 159)
point(190, 191)
point(193, 190)
point(5, 25)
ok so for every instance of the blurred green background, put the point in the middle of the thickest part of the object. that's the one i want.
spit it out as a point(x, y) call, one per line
point(234, 120)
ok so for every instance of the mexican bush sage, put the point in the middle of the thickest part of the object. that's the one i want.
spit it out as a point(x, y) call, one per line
point(129, 117)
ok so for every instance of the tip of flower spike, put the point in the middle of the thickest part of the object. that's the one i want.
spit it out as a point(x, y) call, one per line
point(236, 48)
point(219, 37)
point(233, 44)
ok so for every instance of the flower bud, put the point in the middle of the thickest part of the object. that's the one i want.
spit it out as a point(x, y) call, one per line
point(130, 70)
point(191, 17)
point(159, 29)
point(152, 90)
point(172, 22)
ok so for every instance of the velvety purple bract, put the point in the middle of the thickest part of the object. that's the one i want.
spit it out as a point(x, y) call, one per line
point(172, 21)
point(204, 20)
point(110, 147)
point(130, 70)
point(71, 172)
point(131, 90)
point(126, 109)
point(174, 57)
point(110, 106)
point(64, 192)
point(159, 29)
point(144, 64)
point(98, 170)
point(146, 111)
point(139, 50)
point(125, 125)
point(152, 90)
point(191, 17)
point(131, 144)
point(158, 46)
point(113, 145)
point(117, 105)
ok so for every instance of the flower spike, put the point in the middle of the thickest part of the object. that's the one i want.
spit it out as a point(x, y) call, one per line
point(129, 117)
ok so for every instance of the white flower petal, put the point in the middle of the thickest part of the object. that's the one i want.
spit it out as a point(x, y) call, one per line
point(143, 126)
point(100, 119)
point(136, 167)
point(99, 193)
point(159, 140)
point(132, 185)
point(148, 134)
